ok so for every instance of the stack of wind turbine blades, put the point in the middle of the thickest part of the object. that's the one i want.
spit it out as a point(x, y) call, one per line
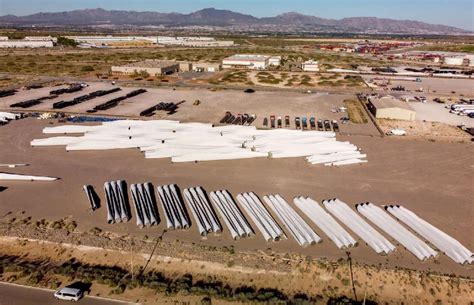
point(269, 228)
point(445, 243)
point(325, 222)
point(110, 203)
point(91, 196)
point(138, 206)
point(359, 226)
point(393, 228)
point(301, 231)
point(175, 211)
point(236, 222)
point(205, 217)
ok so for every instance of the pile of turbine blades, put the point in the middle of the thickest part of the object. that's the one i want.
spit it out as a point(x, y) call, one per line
point(359, 226)
point(145, 204)
point(206, 218)
point(234, 219)
point(393, 228)
point(445, 243)
point(265, 223)
point(301, 231)
point(117, 201)
point(325, 222)
point(175, 212)
point(91, 196)
point(190, 142)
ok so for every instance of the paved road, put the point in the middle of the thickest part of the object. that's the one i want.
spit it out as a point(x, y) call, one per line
point(22, 295)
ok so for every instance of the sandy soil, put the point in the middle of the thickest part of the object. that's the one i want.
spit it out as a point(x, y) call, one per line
point(432, 131)
point(432, 179)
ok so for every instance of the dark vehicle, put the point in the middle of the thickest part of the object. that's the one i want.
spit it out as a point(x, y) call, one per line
point(4, 93)
point(312, 123)
point(304, 123)
point(297, 122)
point(398, 88)
point(335, 126)
point(287, 121)
point(279, 122)
point(238, 120)
point(230, 119)
point(251, 119)
point(249, 90)
point(226, 117)
point(327, 125)
point(265, 122)
point(245, 118)
point(320, 125)
point(272, 121)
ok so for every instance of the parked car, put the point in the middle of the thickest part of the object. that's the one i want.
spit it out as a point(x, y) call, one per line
point(69, 294)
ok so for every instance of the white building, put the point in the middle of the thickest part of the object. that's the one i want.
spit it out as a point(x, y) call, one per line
point(192, 41)
point(3, 38)
point(104, 40)
point(310, 66)
point(25, 44)
point(41, 38)
point(454, 60)
point(249, 61)
point(274, 61)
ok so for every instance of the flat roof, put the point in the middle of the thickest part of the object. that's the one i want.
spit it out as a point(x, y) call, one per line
point(152, 64)
point(390, 102)
point(248, 57)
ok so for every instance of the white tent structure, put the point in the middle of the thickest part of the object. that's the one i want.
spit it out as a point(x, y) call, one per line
point(190, 142)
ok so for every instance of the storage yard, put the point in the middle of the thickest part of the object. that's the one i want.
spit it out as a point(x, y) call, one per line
point(248, 185)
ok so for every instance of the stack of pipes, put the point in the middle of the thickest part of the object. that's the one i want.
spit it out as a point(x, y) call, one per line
point(175, 211)
point(301, 231)
point(325, 222)
point(145, 204)
point(190, 142)
point(359, 226)
point(445, 243)
point(206, 218)
point(269, 228)
point(390, 226)
point(91, 196)
point(236, 222)
point(117, 201)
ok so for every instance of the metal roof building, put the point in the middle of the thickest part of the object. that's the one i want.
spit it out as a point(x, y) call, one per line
point(389, 107)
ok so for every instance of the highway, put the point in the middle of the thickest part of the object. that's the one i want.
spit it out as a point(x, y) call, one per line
point(11, 294)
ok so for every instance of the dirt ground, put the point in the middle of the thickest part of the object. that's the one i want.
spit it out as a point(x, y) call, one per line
point(433, 131)
point(431, 179)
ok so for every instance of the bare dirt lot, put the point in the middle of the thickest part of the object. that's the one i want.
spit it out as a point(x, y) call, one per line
point(432, 179)
point(213, 104)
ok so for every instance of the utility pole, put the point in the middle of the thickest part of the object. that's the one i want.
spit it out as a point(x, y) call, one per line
point(348, 253)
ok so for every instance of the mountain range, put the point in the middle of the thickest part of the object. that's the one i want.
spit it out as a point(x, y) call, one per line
point(226, 18)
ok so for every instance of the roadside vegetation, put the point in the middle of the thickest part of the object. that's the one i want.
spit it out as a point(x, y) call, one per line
point(47, 274)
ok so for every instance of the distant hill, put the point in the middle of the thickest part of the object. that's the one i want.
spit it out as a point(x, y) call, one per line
point(211, 16)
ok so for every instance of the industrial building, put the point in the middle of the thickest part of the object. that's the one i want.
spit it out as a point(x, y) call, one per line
point(454, 60)
point(194, 41)
point(249, 61)
point(206, 67)
point(14, 43)
point(105, 40)
point(152, 67)
point(310, 66)
point(274, 61)
point(388, 107)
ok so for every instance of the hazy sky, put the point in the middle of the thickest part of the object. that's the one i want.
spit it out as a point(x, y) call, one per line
point(457, 13)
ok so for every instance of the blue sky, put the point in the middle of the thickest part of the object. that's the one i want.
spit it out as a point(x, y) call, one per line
point(457, 13)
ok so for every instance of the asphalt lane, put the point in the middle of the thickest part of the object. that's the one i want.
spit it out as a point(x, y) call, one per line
point(23, 295)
